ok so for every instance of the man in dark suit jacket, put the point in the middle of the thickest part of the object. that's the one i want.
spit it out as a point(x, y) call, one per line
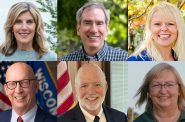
point(41, 116)
point(76, 115)
point(91, 87)
point(21, 87)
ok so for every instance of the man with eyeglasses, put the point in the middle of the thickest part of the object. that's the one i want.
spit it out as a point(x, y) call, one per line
point(21, 87)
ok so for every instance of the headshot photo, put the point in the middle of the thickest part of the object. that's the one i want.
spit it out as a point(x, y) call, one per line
point(23, 98)
point(92, 30)
point(25, 30)
point(93, 92)
point(157, 92)
point(157, 32)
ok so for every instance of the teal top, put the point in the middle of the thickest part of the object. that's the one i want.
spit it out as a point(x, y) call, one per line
point(31, 55)
point(148, 116)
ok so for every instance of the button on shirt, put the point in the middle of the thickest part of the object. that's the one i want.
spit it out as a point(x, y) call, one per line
point(28, 117)
point(90, 118)
point(107, 53)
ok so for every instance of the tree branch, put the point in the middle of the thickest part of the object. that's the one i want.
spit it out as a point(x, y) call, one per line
point(181, 5)
point(142, 13)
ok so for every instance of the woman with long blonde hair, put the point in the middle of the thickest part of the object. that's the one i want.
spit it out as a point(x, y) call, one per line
point(164, 38)
point(24, 35)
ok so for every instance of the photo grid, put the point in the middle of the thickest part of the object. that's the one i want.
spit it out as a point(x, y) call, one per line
point(92, 61)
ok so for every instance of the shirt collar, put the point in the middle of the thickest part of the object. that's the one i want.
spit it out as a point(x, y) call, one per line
point(151, 116)
point(88, 115)
point(27, 117)
point(99, 56)
point(14, 116)
point(30, 115)
point(182, 116)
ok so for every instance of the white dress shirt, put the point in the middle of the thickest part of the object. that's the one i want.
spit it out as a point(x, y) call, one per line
point(90, 118)
point(27, 117)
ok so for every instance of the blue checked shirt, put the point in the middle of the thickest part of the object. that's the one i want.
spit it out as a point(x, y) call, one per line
point(107, 53)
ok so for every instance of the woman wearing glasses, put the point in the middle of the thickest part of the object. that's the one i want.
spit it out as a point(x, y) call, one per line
point(164, 93)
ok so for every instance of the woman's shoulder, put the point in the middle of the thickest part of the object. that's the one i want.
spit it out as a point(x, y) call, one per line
point(142, 56)
point(135, 58)
point(49, 56)
point(145, 117)
point(19, 55)
point(3, 57)
point(141, 118)
point(182, 116)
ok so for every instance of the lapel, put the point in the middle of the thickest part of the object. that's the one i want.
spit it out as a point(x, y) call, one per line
point(6, 116)
point(107, 114)
point(39, 115)
point(78, 115)
point(9, 115)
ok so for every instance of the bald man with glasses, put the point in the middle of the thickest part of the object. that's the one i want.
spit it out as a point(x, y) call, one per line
point(21, 88)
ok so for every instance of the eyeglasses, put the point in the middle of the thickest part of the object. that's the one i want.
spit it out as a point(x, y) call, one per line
point(25, 83)
point(166, 86)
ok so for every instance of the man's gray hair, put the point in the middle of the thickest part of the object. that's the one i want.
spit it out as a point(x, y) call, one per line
point(91, 5)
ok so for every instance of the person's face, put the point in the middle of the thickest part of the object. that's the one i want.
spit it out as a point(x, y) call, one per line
point(91, 91)
point(165, 96)
point(164, 30)
point(22, 99)
point(24, 30)
point(92, 28)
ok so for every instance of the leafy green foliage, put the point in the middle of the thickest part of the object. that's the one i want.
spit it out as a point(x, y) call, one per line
point(68, 41)
point(118, 23)
point(49, 6)
point(67, 37)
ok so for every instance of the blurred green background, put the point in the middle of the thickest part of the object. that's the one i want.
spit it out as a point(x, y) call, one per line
point(68, 41)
